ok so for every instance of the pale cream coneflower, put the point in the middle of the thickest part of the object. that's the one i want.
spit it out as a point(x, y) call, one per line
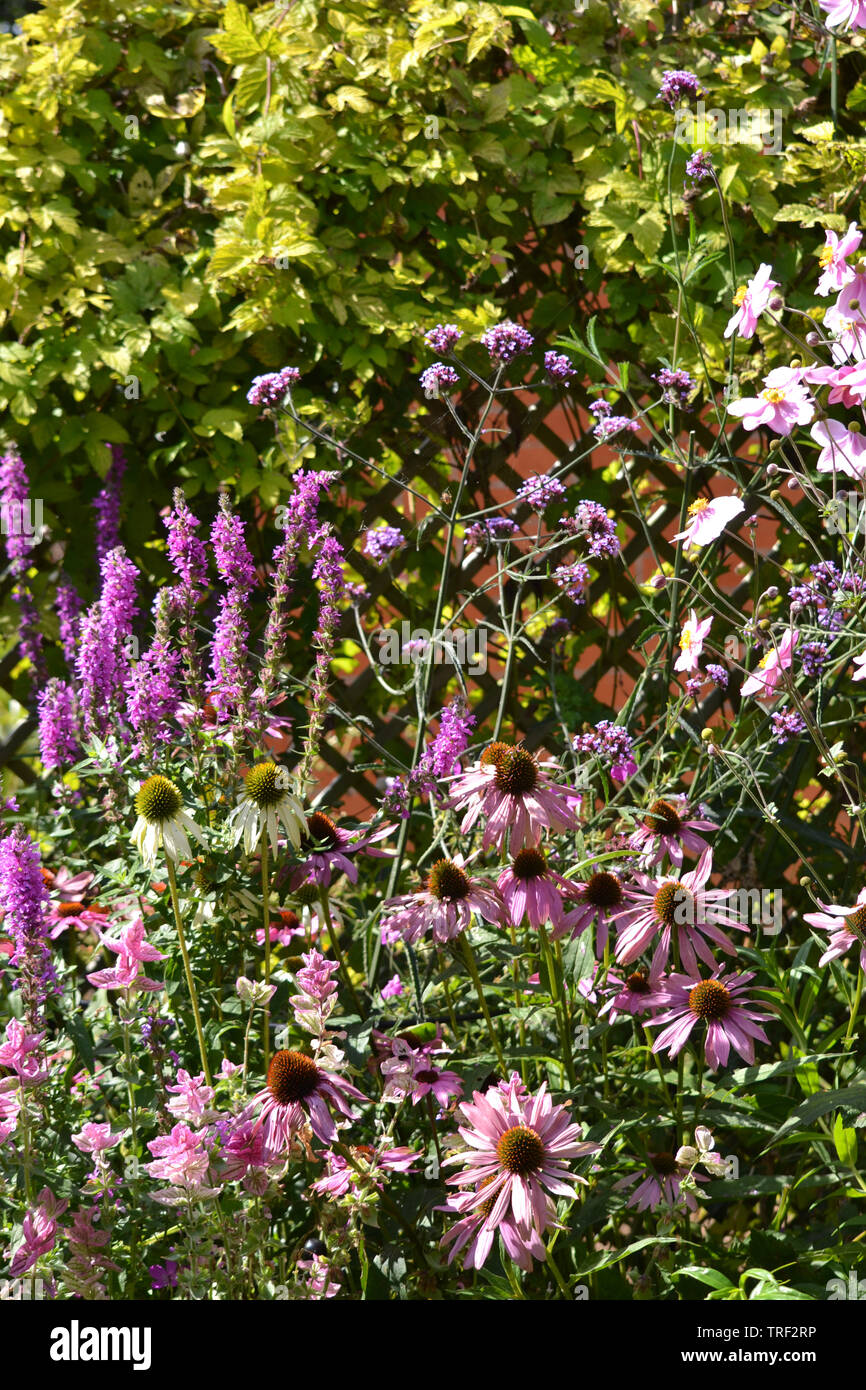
point(266, 806)
point(162, 822)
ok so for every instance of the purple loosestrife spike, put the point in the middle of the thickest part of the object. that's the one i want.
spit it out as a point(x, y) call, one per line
point(19, 526)
point(300, 531)
point(330, 573)
point(106, 504)
point(188, 556)
point(104, 649)
point(58, 726)
point(68, 605)
point(231, 693)
point(152, 694)
point(22, 898)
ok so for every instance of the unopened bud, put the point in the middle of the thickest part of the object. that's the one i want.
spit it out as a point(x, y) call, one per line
point(772, 470)
point(813, 338)
point(777, 303)
point(793, 484)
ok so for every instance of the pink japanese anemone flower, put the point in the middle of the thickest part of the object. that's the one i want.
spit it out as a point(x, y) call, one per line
point(663, 904)
point(847, 927)
point(445, 906)
point(598, 900)
point(768, 672)
point(707, 519)
point(668, 830)
point(516, 1152)
point(516, 796)
point(298, 1090)
point(750, 301)
point(723, 1005)
point(328, 849)
point(530, 888)
point(833, 256)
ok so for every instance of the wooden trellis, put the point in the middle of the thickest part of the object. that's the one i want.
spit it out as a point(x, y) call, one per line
point(531, 441)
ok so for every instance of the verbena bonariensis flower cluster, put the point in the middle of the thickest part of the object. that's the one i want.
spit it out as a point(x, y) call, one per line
point(476, 1036)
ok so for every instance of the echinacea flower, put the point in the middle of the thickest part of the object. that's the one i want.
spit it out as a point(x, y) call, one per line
point(668, 829)
point(445, 906)
point(684, 903)
point(692, 641)
point(369, 1167)
point(530, 888)
point(298, 1091)
point(723, 1005)
point(328, 849)
point(267, 805)
point(82, 916)
point(162, 821)
point(750, 301)
point(516, 1151)
point(598, 900)
point(659, 1184)
point(517, 797)
point(708, 518)
point(847, 927)
point(640, 992)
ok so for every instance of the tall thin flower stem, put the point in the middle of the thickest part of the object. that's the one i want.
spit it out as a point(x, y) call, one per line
point(855, 1007)
point(469, 957)
point(341, 960)
point(190, 983)
point(558, 1004)
point(266, 923)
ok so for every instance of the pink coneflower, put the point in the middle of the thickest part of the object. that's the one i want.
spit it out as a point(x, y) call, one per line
point(847, 926)
point(473, 1233)
point(327, 850)
point(298, 1090)
point(598, 900)
point(722, 1005)
point(514, 793)
point(750, 301)
point(833, 257)
point(708, 518)
point(768, 672)
point(662, 904)
point(370, 1167)
point(668, 830)
point(530, 888)
point(516, 1152)
point(638, 993)
point(660, 1184)
point(692, 642)
point(84, 917)
point(65, 885)
point(446, 905)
